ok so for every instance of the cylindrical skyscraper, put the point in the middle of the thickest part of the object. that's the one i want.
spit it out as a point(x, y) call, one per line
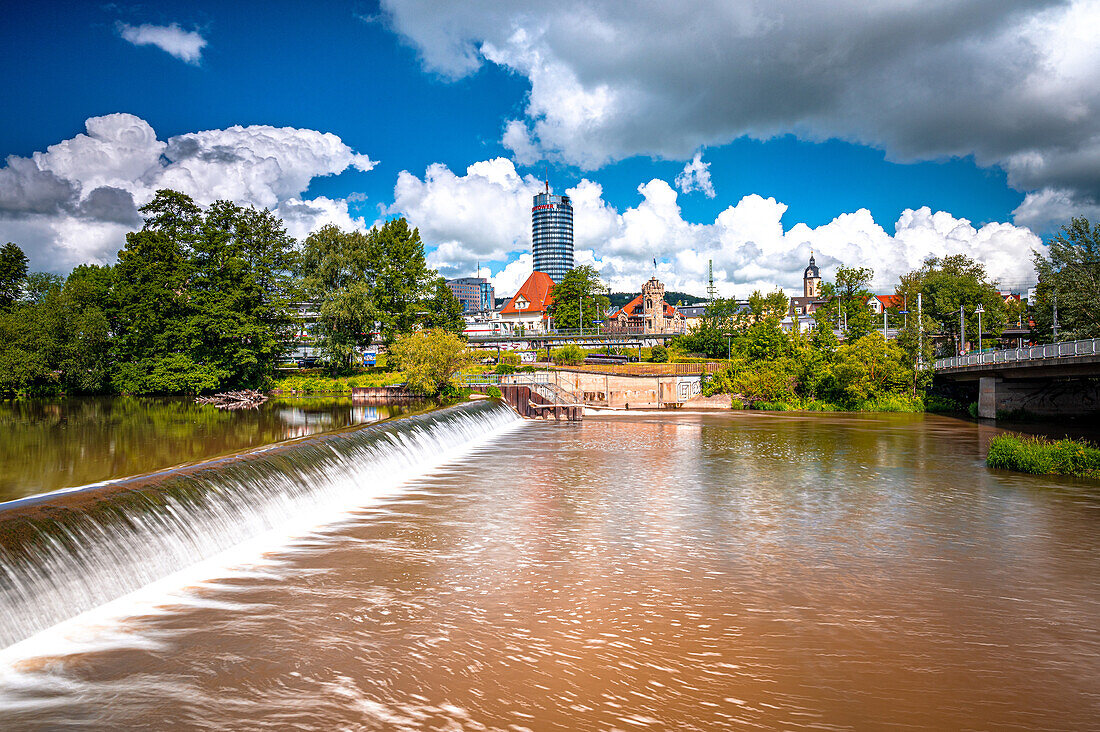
point(552, 234)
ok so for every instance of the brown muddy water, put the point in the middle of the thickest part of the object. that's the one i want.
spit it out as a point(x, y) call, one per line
point(642, 572)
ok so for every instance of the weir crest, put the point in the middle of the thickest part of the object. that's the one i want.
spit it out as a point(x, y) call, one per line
point(67, 553)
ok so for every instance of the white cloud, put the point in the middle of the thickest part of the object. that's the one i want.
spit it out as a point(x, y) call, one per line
point(1015, 83)
point(485, 214)
point(74, 202)
point(184, 45)
point(482, 215)
point(696, 177)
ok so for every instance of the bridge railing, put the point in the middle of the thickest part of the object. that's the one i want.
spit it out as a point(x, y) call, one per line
point(1067, 349)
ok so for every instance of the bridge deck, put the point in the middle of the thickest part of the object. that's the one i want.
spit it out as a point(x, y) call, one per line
point(1069, 358)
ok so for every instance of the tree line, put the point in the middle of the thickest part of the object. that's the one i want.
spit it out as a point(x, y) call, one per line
point(203, 299)
point(770, 365)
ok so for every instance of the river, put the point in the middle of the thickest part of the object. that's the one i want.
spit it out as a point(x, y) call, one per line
point(50, 444)
point(664, 571)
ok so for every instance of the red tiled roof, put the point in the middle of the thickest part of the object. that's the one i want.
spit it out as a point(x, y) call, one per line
point(890, 301)
point(536, 291)
point(629, 308)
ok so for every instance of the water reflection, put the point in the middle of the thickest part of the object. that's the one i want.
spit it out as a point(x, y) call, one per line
point(53, 444)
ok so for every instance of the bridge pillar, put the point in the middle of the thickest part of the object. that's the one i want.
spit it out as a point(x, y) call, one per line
point(987, 397)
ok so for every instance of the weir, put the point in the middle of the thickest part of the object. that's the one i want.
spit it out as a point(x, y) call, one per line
point(69, 552)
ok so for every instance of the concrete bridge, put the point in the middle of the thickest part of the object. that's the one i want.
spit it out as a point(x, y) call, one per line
point(1057, 379)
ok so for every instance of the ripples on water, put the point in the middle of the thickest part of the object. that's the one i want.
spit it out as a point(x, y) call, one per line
point(671, 572)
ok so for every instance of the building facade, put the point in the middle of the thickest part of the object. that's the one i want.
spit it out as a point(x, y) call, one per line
point(475, 293)
point(552, 234)
point(529, 310)
point(648, 313)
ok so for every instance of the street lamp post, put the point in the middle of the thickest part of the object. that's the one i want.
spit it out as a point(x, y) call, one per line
point(979, 312)
point(729, 346)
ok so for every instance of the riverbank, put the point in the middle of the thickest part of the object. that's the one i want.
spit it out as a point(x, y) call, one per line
point(1040, 456)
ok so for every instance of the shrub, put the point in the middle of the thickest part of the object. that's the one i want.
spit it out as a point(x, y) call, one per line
point(494, 392)
point(571, 355)
point(429, 358)
point(658, 354)
point(504, 369)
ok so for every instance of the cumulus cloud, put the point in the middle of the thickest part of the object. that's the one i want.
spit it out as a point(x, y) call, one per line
point(75, 201)
point(696, 177)
point(184, 45)
point(485, 215)
point(1015, 83)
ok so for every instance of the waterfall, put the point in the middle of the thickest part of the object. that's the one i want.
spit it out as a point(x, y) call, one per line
point(67, 553)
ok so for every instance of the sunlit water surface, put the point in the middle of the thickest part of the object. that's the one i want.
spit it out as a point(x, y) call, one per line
point(650, 572)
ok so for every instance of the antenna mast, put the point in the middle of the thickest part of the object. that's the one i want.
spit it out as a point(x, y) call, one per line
point(711, 292)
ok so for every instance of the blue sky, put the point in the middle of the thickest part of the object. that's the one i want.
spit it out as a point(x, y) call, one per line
point(413, 86)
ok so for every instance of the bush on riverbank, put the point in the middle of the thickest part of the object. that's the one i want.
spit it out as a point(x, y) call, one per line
point(1039, 456)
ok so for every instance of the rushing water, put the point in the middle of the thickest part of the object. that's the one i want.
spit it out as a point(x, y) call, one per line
point(672, 571)
point(49, 444)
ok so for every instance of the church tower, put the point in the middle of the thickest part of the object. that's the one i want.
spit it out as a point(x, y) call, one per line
point(811, 280)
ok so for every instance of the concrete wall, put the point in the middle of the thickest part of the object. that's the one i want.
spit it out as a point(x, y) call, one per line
point(634, 392)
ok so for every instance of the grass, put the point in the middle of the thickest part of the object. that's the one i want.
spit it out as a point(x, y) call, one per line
point(321, 384)
point(884, 403)
point(1040, 456)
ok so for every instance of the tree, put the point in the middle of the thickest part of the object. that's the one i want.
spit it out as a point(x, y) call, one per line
point(848, 296)
point(13, 273)
point(239, 291)
point(429, 358)
point(443, 309)
point(150, 304)
point(335, 265)
point(399, 276)
point(870, 367)
point(579, 298)
point(948, 284)
point(709, 336)
point(1071, 275)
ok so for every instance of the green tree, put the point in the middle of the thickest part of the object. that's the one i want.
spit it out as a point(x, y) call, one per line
point(336, 266)
point(443, 309)
point(1071, 274)
point(709, 336)
point(13, 274)
point(870, 367)
point(150, 302)
point(848, 296)
point(429, 359)
point(948, 284)
point(239, 292)
point(579, 298)
point(399, 276)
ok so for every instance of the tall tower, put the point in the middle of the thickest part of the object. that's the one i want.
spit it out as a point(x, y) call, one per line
point(552, 234)
point(653, 306)
point(811, 280)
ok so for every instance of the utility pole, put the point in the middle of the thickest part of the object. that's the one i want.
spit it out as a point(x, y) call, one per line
point(884, 324)
point(962, 329)
point(580, 313)
point(920, 331)
point(1055, 318)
